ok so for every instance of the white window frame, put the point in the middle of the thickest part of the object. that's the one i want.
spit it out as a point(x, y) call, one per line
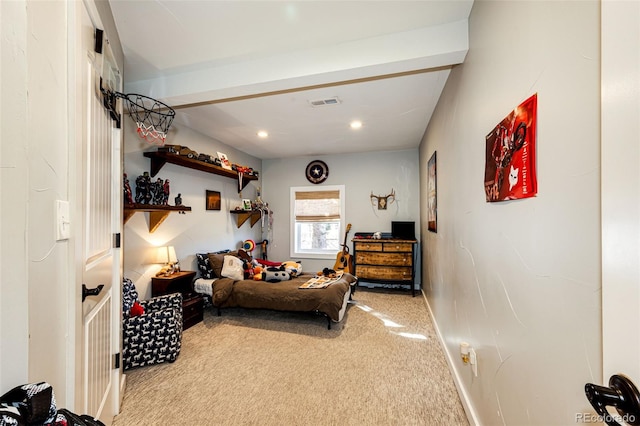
point(292, 233)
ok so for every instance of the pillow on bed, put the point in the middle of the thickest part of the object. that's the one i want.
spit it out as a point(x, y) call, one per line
point(204, 266)
point(233, 268)
point(216, 260)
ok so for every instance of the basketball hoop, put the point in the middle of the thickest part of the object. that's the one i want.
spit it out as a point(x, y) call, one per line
point(152, 117)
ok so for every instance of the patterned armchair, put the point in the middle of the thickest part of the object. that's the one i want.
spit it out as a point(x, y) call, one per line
point(155, 336)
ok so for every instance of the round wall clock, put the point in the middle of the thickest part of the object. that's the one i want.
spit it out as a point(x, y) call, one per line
point(317, 171)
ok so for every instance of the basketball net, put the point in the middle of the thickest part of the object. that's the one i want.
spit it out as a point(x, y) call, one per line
point(150, 134)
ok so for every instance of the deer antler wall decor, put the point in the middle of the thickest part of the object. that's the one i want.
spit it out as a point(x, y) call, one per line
point(382, 201)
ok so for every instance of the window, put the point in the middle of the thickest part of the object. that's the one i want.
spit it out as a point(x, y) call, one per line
point(318, 215)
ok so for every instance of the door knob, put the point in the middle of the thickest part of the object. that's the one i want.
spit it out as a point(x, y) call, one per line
point(621, 394)
point(91, 291)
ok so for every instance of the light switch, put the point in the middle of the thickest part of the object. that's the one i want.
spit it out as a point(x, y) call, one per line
point(63, 222)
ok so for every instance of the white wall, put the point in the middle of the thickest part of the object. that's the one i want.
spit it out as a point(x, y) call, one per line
point(13, 196)
point(198, 231)
point(377, 172)
point(35, 276)
point(37, 287)
point(620, 211)
point(48, 148)
point(520, 280)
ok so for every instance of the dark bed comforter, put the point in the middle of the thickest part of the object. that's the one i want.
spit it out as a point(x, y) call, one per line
point(284, 295)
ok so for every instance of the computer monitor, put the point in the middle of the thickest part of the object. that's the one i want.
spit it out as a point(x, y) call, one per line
point(403, 230)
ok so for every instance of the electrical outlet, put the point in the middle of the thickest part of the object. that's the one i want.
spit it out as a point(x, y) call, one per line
point(473, 359)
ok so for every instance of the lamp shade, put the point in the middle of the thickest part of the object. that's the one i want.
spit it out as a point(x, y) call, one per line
point(166, 255)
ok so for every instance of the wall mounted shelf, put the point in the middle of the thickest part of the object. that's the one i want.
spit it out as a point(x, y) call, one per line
point(157, 213)
point(159, 159)
point(243, 215)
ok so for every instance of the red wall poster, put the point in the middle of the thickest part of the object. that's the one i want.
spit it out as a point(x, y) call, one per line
point(510, 168)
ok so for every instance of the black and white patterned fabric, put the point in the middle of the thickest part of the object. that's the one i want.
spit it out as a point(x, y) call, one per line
point(10, 416)
point(129, 295)
point(29, 404)
point(204, 266)
point(155, 336)
point(69, 418)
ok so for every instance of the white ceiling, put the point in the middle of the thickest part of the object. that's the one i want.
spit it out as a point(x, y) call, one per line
point(231, 68)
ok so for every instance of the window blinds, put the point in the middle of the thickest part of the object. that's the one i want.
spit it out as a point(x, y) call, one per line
point(314, 206)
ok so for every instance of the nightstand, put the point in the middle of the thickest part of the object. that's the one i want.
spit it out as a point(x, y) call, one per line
point(181, 282)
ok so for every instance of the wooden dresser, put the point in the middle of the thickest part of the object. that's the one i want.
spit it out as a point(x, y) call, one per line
point(386, 260)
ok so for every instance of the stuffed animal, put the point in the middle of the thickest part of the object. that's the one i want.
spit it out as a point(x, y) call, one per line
point(274, 275)
point(136, 309)
point(257, 273)
point(292, 267)
point(249, 264)
point(326, 272)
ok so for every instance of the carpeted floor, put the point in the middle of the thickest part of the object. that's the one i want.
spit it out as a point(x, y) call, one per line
point(382, 365)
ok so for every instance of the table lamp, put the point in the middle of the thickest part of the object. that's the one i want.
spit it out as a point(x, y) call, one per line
point(167, 256)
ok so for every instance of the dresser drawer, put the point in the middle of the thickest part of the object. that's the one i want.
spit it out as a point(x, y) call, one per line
point(395, 247)
point(384, 273)
point(368, 246)
point(391, 259)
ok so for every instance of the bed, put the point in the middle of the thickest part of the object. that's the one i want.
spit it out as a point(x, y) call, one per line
point(226, 292)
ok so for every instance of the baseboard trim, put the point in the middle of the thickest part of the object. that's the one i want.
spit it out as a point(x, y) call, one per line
point(472, 416)
point(123, 387)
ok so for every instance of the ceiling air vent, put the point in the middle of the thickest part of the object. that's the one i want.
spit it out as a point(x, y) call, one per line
point(325, 102)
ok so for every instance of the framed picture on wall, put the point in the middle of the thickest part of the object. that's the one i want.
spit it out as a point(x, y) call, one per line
point(432, 199)
point(213, 200)
point(510, 159)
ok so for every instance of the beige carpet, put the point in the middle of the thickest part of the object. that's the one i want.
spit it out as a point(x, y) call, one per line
point(382, 365)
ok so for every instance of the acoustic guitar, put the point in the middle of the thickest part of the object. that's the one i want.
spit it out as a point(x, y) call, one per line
point(344, 261)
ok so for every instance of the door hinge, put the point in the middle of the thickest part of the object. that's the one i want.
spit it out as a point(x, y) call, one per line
point(98, 44)
point(116, 240)
point(116, 360)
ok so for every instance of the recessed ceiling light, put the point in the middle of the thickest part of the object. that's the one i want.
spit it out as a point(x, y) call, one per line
point(263, 134)
point(356, 124)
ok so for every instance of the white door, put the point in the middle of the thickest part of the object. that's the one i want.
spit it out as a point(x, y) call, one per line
point(97, 260)
point(621, 189)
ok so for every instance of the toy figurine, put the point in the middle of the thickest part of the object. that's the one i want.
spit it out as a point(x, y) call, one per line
point(165, 193)
point(157, 191)
point(128, 195)
point(143, 188)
